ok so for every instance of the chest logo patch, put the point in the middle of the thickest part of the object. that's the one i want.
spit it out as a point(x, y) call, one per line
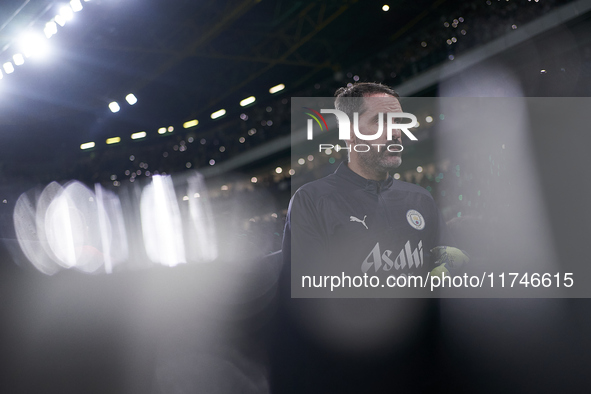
point(415, 219)
point(354, 219)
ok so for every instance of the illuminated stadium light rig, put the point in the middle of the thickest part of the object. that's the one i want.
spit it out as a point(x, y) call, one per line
point(218, 114)
point(8, 67)
point(66, 13)
point(190, 123)
point(33, 43)
point(87, 145)
point(50, 29)
point(277, 88)
point(60, 20)
point(76, 5)
point(114, 106)
point(247, 101)
point(138, 135)
point(18, 59)
point(131, 99)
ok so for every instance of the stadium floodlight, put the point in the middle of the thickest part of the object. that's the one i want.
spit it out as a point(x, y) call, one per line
point(190, 123)
point(138, 135)
point(114, 106)
point(67, 13)
point(19, 60)
point(8, 67)
point(113, 140)
point(33, 44)
point(60, 20)
point(131, 99)
point(248, 100)
point(87, 145)
point(50, 29)
point(162, 130)
point(385, 8)
point(277, 88)
point(76, 5)
point(218, 114)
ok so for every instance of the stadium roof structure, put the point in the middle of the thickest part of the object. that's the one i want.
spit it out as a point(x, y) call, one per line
point(181, 59)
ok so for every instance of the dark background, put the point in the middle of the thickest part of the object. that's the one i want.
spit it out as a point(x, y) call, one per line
point(225, 327)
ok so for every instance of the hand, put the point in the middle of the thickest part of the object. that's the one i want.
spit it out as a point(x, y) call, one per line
point(448, 259)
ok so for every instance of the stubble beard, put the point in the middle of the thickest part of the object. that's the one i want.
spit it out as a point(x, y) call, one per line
point(381, 162)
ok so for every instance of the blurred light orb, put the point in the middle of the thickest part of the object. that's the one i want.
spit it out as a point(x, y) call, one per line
point(19, 60)
point(33, 44)
point(114, 106)
point(76, 5)
point(131, 99)
point(67, 13)
point(8, 67)
point(50, 29)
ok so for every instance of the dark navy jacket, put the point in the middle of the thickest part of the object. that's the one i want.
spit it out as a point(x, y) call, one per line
point(346, 224)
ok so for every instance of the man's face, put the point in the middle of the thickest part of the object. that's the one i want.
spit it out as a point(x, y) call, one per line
point(382, 160)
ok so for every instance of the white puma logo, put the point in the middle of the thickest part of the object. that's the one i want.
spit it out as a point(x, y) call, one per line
point(354, 219)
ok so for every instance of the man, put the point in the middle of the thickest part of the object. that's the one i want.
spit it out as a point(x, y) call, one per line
point(360, 220)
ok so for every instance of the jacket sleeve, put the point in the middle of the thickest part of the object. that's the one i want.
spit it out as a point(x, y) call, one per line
point(444, 237)
point(305, 244)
